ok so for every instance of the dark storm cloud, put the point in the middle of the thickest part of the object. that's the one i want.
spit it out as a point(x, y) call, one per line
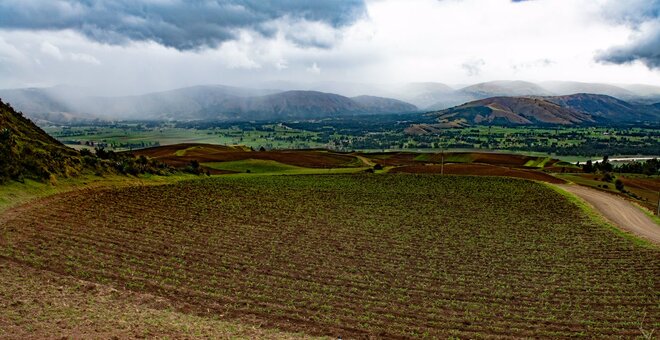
point(646, 50)
point(181, 24)
point(644, 16)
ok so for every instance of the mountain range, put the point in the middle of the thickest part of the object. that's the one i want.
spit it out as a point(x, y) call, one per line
point(430, 96)
point(573, 109)
point(286, 100)
point(61, 104)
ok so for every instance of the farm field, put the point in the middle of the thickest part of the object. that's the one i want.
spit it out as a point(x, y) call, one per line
point(39, 304)
point(370, 133)
point(388, 255)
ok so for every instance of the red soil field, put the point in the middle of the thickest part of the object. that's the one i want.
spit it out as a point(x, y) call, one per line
point(216, 153)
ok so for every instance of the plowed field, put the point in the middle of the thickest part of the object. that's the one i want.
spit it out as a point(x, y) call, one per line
point(353, 255)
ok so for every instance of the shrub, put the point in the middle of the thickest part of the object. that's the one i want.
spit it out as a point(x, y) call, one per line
point(619, 185)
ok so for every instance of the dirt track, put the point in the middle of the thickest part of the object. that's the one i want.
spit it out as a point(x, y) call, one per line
point(619, 211)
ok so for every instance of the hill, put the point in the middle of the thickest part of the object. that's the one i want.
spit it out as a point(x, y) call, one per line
point(606, 108)
point(563, 88)
point(374, 104)
point(300, 105)
point(559, 110)
point(505, 88)
point(513, 111)
point(423, 94)
point(26, 151)
point(501, 88)
point(198, 102)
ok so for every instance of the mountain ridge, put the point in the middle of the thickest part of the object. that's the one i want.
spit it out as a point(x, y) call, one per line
point(200, 102)
point(577, 109)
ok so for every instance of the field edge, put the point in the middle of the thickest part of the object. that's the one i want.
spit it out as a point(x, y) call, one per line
point(599, 219)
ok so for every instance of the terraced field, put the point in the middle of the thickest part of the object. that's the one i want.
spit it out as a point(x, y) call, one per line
point(395, 255)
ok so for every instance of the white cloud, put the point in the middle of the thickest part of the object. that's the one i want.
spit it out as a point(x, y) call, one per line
point(51, 50)
point(452, 41)
point(473, 67)
point(314, 69)
point(85, 58)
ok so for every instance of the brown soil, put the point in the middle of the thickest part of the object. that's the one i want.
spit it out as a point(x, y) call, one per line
point(394, 258)
point(479, 170)
point(204, 153)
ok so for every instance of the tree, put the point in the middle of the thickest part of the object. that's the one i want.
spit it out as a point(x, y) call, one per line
point(606, 166)
point(588, 167)
point(619, 185)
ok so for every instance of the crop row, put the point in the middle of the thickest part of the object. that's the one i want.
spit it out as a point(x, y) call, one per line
point(390, 255)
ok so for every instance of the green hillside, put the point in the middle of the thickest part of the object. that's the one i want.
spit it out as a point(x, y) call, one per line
point(26, 151)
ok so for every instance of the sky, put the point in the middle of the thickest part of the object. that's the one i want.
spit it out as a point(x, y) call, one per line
point(118, 47)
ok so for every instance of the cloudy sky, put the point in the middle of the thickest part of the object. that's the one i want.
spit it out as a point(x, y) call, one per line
point(137, 46)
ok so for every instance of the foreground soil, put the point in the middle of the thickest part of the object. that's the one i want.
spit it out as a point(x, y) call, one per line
point(393, 256)
point(40, 304)
point(619, 211)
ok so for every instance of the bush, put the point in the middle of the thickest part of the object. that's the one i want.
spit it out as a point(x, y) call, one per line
point(619, 185)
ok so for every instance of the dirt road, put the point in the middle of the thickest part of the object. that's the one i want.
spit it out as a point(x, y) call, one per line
point(618, 211)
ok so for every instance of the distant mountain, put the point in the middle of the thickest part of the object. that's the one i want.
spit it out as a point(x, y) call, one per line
point(561, 110)
point(198, 102)
point(512, 111)
point(301, 105)
point(374, 104)
point(423, 94)
point(562, 88)
point(175, 104)
point(606, 108)
point(505, 88)
point(344, 88)
point(642, 90)
point(501, 88)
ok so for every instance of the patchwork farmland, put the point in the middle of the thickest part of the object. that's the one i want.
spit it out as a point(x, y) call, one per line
point(391, 255)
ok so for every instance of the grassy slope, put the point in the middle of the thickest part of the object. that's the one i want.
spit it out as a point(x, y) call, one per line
point(30, 152)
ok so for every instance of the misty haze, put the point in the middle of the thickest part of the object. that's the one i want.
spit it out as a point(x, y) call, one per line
point(329, 169)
